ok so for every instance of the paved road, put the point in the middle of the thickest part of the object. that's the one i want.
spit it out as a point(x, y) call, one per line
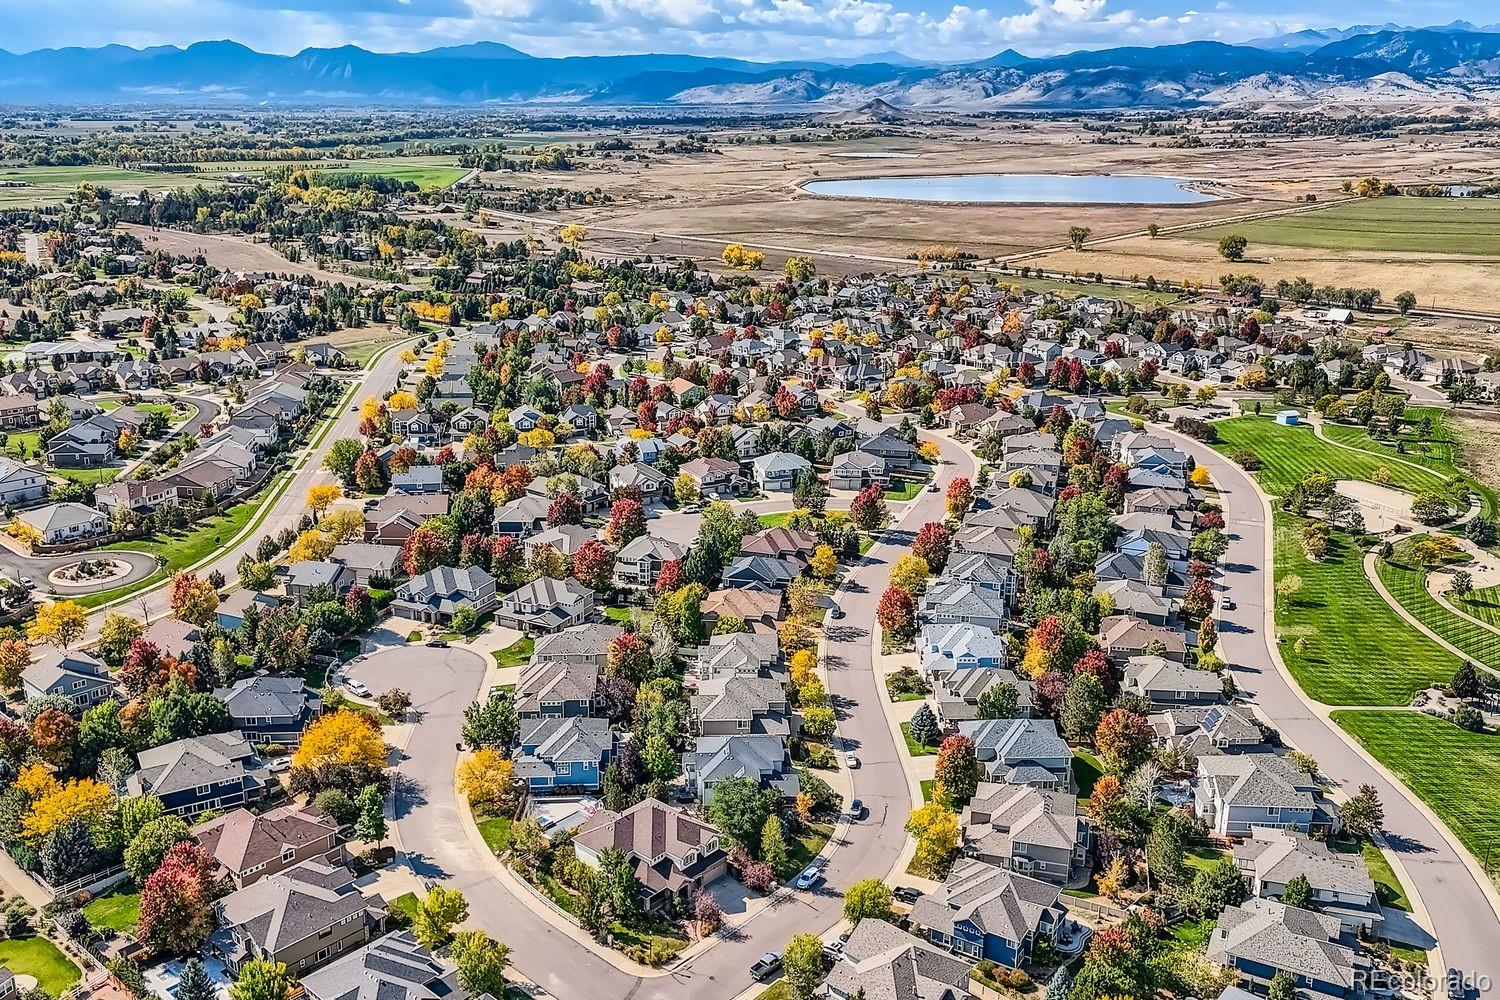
point(1467, 928)
point(445, 681)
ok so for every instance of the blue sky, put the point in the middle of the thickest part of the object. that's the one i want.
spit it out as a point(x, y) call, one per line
point(756, 29)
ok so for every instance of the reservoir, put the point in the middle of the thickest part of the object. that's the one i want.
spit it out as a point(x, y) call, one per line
point(1086, 189)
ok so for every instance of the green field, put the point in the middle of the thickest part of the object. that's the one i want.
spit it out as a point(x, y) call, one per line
point(1287, 454)
point(1435, 758)
point(1437, 452)
point(52, 185)
point(36, 956)
point(119, 909)
point(1404, 225)
point(1356, 649)
point(1405, 578)
point(1483, 604)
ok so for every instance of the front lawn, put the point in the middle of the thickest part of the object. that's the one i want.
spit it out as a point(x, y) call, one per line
point(22, 444)
point(1354, 648)
point(772, 520)
point(404, 908)
point(904, 489)
point(912, 746)
point(181, 549)
point(779, 990)
point(805, 846)
point(496, 832)
point(1387, 886)
point(119, 909)
point(36, 956)
point(517, 654)
point(1428, 754)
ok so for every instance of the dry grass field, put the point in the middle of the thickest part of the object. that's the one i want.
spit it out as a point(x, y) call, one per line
point(234, 252)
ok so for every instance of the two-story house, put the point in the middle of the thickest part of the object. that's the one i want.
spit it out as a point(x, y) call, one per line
point(563, 753)
point(302, 917)
point(1235, 793)
point(673, 853)
point(557, 688)
point(639, 562)
point(1033, 831)
point(73, 674)
point(249, 847)
point(436, 595)
point(1262, 937)
point(218, 771)
point(984, 911)
point(545, 605)
point(270, 709)
point(1341, 884)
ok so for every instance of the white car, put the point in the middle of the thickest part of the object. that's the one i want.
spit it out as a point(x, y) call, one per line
point(811, 877)
point(358, 687)
point(26, 582)
point(932, 487)
point(851, 761)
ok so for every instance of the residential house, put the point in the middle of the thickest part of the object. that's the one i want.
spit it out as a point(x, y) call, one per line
point(251, 846)
point(765, 758)
point(759, 609)
point(370, 564)
point(1033, 831)
point(74, 674)
point(1166, 682)
point(1208, 729)
point(302, 917)
point(1262, 937)
point(674, 854)
point(953, 602)
point(880, 960)
point(426, 479)
point(778, 471)
point(557, 688)
point(1341, 883)
point(984, 911)
point(715, 477)
point(61, 523)
point(310, 577)
point(141, 496)
point(219, 771)
point(545, 605)
point(521, 517)
point(753, 572)
point(1122, 637)
point(436, 595)
point(1235, 793)
point(854, 470)
point(653, 485)
point(231, 611)
point(19, 412)
point(20, 483)
point(395, 517)
point(887, 444)
point(747, 653)
point(563, 753)
point(394, 967)
point(740, 704)
point(639, 562)
point(577, 644)
point(270, 709)
point(1022, 752)
point(781, 543)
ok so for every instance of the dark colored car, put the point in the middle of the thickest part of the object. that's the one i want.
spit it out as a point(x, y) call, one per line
point(906, 893)
point(438, 643)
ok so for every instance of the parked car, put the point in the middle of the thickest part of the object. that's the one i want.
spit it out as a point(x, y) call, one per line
point(1227, 604)
point(811, 877)
point(766, 966)
point(26, 582)
point(358, 687)
point(907, 894)
point(932, 487)
point(835, 612)
point(372, 503)
point(438, 643)
point(851, 761)
point(280, 764)
point(499, 691)
point(833, 949)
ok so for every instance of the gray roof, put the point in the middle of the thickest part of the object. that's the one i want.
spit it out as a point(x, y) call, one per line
point(1015, 741)
point(1283, 937)
point(1278, 856)
point(195, 761)
point(318, 573)
point(758, 756)
point(445, 587)
point(255, 697)
point(1150, 675)
point(394, 967)
point(56, 665)
point(577, 640)
point(1257, 779)
point(578, 739)
point(292, 905)
point(555, 681)
point(880, 961)
point(997, 902)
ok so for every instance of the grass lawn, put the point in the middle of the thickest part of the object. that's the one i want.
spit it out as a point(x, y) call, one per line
point(1436, 450)
point(912, 746)
point(1356, 649)
point(1427, 753)
point(424, 172)
point(1483, 604)
point(90, 477)
point(1287, 454)
point(779, 990)
point(496, 832)
point(1406, 579)
point(19, 444)
point(405, 905)
point(772, 520)
point(1200, 858)
point(1387, 886)
point(559, 894)
point(1086, 771)
point(904, 489)
point(119, 909)
point(801, 849)
point(36, 956)
point(620, 616)
point(1191, 933)
point(1404, 225)
point(927, 788)
point(517, 654)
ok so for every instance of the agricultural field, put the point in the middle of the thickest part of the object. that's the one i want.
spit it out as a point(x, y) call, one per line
point(1406, 579)
point(1431, 756)
point(1468, 226)
point(1287, 454)
point(1355, 649)
point(51, 185)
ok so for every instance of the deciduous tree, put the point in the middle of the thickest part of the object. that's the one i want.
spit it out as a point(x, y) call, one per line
point(60, 623)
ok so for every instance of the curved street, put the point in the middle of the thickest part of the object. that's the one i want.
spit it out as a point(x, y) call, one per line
point(1463, 919)
point(429, 822)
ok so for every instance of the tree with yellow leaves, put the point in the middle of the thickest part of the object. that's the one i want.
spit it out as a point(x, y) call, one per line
point(737, 256)
point(408, 356)
point(539, 438)
point(81, 798)
point(803, 663)
point(573, 234)
point(60, 623)
point(824, 562)
point(1112, 881)
point(125, 441)
point(910, 573)
point(343, 526)
point(484, 778)
point(369, 409)
point(401, 400)
point(1200, 476)
point(320, 498)
point(24, 532)
point(193, 599)
point(311, 545)
point(935, 828)
point(343, 736)
point(250, 302)
point(435, 364)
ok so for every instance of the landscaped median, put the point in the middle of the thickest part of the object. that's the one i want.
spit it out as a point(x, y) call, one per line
point(1404, 575)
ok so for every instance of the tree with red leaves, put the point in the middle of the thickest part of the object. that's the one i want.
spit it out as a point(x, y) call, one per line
point(512, 481)
point(1026, 372)
point(1210, 519)
point(669, 578)
point(868, 508)
point(896, 613)
point(506, 559)
point(1199, 599)
point(785, 403)
point(960, 497)
point(627, 656)
point(53, 734)
point(645, 415)
point(142, 668)
point(444, 456)
point(368, 474)
point(565, 508)
point(402, 459)
point(423, 550)
point(593, 565)
point(1123, 739)
point(177, 914)
point(1093, 662)
point(934, 543)
point(957, 770)
point(627, 522)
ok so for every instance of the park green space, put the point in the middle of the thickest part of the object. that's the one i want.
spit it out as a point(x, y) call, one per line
point(1404, 577)
point(1435, 450)
point(1482, 603)
point(1288, 454)
point(1455, 772)
point(1355, 648)
point(1396, 224)
point(38, 957)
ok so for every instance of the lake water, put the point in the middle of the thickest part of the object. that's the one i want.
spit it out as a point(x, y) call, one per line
point(878, 156)
point(1093, 189)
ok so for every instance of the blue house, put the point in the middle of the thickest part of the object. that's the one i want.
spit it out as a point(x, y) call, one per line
point(219, 771)
point(1262, 937)
point(983, 911)
point(563, 753)
point(556, 689)
point(270, 709)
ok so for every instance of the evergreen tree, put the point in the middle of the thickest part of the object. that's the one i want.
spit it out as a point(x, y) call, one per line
point(194, 983)
point(773, 843)
point(1298, 893)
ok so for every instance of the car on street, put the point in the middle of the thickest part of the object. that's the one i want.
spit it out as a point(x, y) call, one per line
point(835, 612)
point(358, 687)
point(855, 811)
point(932, 487)
point(907, 894)
point(811, 877)
point(766, 966)
point(372, 503)
point(1227, 604)
point(26, 582)
point(851, 761)
point(438, 643)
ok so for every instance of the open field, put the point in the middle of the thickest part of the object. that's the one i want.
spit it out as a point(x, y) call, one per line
point(1482, 603)
point(1405, 578)
point(1441, 226)
point(1437, 451)
point(36, 956)
point(51, 185)
point(1434, 757)
point(232, 252)
point(1288, 454)
point(1356, 650)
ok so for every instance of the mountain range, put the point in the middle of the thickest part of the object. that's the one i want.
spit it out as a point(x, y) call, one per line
point(1447, 63)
